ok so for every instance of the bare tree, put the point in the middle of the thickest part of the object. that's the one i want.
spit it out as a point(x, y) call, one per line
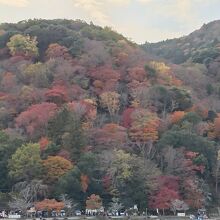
point(115, 205)
point(21, 201)
point(69, 204)
point(34, 189)
point(178, 205)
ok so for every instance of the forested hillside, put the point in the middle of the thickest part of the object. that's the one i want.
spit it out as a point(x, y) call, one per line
point(199, 46)
point(87, 114)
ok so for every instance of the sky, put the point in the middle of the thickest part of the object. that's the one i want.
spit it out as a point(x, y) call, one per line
point(138, 20)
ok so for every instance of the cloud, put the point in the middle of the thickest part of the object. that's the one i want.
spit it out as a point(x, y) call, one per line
point(180, 10)
point(150, 34)
point(119, 2)
point(94, 8)
point(15, 3)
point(145, 1)
point(177, 16)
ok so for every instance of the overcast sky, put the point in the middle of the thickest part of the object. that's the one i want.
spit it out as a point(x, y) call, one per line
point(139, 20)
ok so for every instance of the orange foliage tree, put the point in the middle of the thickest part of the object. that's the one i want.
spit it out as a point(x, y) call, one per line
point(84, 182)
point(176, 116)
point(55, 167)
point(43, 142)
point(94, 202)
point(49, 205)
point(144, 126)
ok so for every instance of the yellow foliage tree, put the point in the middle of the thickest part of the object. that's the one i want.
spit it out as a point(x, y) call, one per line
point(23, 45)
point(55, 167)
point(110, 100)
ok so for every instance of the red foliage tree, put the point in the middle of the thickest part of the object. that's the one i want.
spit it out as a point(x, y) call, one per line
point(168, 191)
point(35, 118)
point(163, 199)
point(192, 195)
point(138, 74)
point(190, 157)
point(105, 79)
point(126, 117)
point(57, 51)
point(171, 182)
point(110, 135)
point(57, 94)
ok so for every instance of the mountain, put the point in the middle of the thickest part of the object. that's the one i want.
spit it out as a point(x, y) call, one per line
point(87, 116)
point(199, 46)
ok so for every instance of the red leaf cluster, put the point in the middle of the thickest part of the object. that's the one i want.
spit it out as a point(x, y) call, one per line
point(105, 79)
point(36, 117)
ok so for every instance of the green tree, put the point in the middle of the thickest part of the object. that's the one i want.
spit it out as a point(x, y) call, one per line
point(26, 163)
point(181, 98)
point(133, 178)
point(65, 129)
point(70, 184)
point(191, 141)
point(7, 147)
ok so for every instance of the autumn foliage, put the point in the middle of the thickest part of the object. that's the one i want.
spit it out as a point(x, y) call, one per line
point(55, 167)
point(57, 51)
point(35, 118)
point(57, 94)
point(49, 205)
point(84, 182)
point(168, 191)
point(93, 202)
point(105, 79)
point(110, 134)
point(43, 143)
point(176, 116)
point(86, 112)
point(144, 126)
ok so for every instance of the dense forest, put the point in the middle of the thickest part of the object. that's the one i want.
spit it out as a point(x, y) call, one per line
point(89, 117)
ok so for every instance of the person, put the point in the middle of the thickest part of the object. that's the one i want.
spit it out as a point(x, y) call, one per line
point(199, 217)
